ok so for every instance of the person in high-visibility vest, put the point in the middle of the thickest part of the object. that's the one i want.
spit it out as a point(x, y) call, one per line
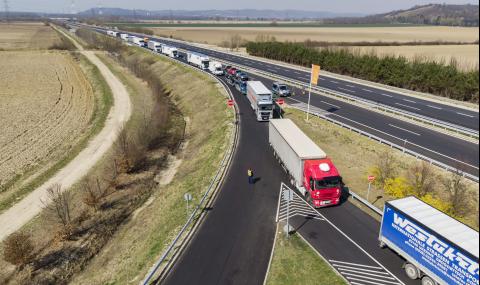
point(250, 176)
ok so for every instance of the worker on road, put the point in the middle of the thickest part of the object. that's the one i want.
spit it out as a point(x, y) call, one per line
point(251, 179)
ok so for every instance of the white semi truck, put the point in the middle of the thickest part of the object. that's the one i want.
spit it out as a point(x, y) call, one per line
point(137, 41)
point(155, 46)
point(112, 33)
point(436, 248)
point(170, 51)
point(261, 100)
point(216, 68)
point(199, 60)
point(124, 37)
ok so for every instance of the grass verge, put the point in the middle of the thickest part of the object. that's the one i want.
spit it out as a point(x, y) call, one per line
point(295, 262)
point(103, 103)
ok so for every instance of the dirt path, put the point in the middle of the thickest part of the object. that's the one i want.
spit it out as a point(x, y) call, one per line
point(22, 212)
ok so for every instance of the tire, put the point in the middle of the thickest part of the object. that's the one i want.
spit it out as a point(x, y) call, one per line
point(428, 281)
point(309, 198)
point(411, 271)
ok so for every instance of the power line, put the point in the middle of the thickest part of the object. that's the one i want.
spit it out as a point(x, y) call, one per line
point(72, 8)
point(7, 8)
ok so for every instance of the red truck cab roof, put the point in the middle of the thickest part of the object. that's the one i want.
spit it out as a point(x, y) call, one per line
point(321, 168)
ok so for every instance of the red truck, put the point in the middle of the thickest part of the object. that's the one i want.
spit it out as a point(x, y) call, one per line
point(311, 171)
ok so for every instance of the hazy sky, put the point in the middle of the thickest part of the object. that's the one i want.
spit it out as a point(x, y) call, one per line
point(344, 6)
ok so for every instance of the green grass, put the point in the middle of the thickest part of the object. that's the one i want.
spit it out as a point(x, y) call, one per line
point(295, 262)
point(256, 25)
point(103, 103)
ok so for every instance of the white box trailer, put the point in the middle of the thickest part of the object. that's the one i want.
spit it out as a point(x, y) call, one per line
point(260, 99)
point(170, 51)
point(216, 68)
point(199, 60)
point(137, 41)
point(155, 46)
point(293, 147)
point(124, 37)
point(437, 248)
point(112, 33)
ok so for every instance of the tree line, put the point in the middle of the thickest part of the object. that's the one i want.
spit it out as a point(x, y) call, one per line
point(398, 71)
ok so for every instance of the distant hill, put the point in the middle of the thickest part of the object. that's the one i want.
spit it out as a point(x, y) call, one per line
point(215, 14)
point(431, 14)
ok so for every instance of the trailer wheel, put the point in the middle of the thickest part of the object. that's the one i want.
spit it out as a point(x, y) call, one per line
point(411, 271)
point(428, 281)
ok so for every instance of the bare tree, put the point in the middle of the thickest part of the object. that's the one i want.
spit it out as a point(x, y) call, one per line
point(458, 193)
point(235, 41)
point(59, 204)
point(18, 249)
point(422, 178)
point(94, 193)
point(386, 168)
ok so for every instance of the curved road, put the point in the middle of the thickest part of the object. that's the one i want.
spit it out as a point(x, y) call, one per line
point(30, 206)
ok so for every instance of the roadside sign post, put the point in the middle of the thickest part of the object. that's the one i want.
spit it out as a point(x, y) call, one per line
point(288, 196)
point(188, 197)
point(313, 80)
point(371, 178)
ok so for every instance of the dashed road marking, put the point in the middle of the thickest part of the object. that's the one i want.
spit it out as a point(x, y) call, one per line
point(466, 115)
point(347, 90)
point(297, 207)
point(434, 107)
point(360, 274)
point(333, 81)
point(405, 130)
point(410, 101)
point(348, 85)
point(386, 95)
point(331, 104)
point(406, 106)
point(367, 90)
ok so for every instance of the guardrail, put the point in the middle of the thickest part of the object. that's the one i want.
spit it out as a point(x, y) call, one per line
point(195, 217)
point(351, 98)
point(391, 144)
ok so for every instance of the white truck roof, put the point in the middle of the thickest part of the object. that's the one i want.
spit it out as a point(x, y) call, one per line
point(258, 87)
point(303, 146)
point(443, 225)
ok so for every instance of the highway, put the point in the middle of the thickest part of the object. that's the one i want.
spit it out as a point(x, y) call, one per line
point(234, 242)
point(451, 151)
point(447, 113)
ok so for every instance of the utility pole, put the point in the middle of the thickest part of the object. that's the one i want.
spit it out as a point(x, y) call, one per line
point(6, 7)
point(72, 8)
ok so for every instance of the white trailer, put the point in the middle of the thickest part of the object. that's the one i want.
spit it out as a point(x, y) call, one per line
point(112, 33)
point(124, 37)
point(169, 51)
point(216, 68)
point(261, 100)
point(155, 46)
point(293, 147)
point(137, 41)
point(197, 59)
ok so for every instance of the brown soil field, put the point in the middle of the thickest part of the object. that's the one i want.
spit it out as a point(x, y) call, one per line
point(216, 35)
point(19, 36)
point(46, 107)
point(465, 55)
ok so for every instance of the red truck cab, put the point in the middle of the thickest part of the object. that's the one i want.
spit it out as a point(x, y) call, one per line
point(322, 182)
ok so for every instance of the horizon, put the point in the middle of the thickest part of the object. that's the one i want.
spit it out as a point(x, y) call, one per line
point(367, 6)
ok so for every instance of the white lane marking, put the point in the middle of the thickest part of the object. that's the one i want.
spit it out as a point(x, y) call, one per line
point(405, 130)
point(356, 269)
point(333, 81)
point(323, 79)
point(367, 90)
point(407, 106)
point(345, 89)
point(466, 115)
point(386, 95)
point(330, 104)
point(296, 72)
point(411, 101)
point(354, 264)
point(348, 85)
point(434, 107)
point(359, 274)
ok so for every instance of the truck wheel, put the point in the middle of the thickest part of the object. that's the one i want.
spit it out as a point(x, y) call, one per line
point(309, 198)
point(411, 271)
point(428, 281)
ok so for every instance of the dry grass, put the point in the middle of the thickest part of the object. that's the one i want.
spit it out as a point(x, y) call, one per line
point(465, 55)
point(47, 106)
point(216, 35)
point(356, 155)
point(20, 36)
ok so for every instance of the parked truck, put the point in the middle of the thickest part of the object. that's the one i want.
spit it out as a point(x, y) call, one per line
point(170, 51)
point(216, 68)
point(199, 60)
point(437, 249)
point(260, 100)
point(137, 41)
point(311, 171)
point(155, 46)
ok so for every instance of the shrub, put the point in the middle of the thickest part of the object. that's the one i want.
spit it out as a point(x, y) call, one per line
point(18, 249)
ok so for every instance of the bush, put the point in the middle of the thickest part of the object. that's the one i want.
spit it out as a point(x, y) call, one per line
point(18, 249)
point(419, 75)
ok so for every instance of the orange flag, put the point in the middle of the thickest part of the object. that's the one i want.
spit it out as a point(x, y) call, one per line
point(315, 74)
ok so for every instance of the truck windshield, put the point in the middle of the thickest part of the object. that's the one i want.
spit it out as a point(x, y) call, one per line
point(283, 87)
point(265, 107)
point(328, 182)
point(205, 63)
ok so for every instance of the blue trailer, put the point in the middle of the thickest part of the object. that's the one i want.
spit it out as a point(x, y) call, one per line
point(437, 249)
